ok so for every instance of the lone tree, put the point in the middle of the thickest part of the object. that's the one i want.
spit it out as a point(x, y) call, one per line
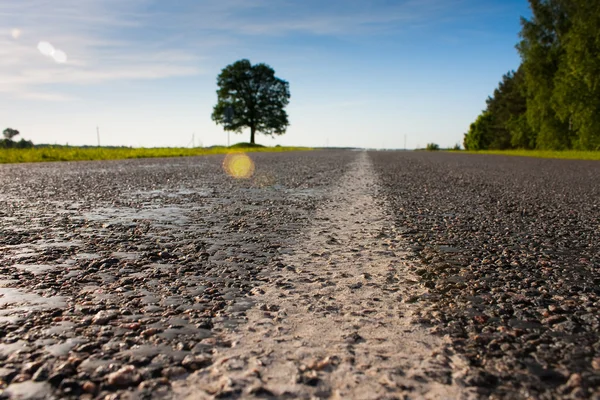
point(256, 97)
point(10, 133)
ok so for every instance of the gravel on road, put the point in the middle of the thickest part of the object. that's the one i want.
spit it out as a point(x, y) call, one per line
point(331, 323)
point(132, 279)
point(510, 252)
point(116, 276)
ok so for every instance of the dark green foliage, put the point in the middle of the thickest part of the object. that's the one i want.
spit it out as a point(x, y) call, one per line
point(502, 120)
point(24, 144)
point(10, 133)
point(9, 143)
point(258, 99)
point(432, 147)
point(553, 100)
point(245, 145)
point(541, 49)
point(508, 106)
point(479, 135)
point(521, 134)
point(576, 97)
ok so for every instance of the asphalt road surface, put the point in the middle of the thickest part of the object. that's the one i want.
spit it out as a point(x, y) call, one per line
point(326, 274)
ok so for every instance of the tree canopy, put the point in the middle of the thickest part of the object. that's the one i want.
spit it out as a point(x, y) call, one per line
point(553, 100)
point(255, 95)
point(9, 143)
point(502, 125)
point(10, 133)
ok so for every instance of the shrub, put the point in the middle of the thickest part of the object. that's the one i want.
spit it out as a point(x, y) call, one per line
point(245, 145)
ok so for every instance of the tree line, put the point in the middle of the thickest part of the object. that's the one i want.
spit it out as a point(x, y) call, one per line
point(9, 143)
point(552, 101)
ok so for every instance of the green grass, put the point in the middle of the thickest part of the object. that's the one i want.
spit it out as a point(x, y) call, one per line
point(567, 154)
point(104, 153)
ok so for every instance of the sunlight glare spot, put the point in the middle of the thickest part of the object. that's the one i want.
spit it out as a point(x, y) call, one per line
point(15, 33)
point(48, 50)
point(59, 56)
point(45, 48)
point(238, 165)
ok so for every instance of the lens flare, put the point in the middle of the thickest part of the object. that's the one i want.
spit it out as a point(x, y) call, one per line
point(238, 165)
point(59, 56)
point(15, 33)
point(49, 51)
point(45, 48)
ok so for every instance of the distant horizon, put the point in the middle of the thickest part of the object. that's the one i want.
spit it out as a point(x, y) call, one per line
point(216, 145)
point(200, 145)
point(361, 75)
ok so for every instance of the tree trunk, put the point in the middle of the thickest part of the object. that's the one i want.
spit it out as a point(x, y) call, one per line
point(252, 132)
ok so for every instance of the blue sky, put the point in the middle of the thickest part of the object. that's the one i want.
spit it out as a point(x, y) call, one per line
point(361, 73)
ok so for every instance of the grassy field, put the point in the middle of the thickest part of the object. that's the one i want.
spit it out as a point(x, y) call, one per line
point(568, 154)
point(104, 153)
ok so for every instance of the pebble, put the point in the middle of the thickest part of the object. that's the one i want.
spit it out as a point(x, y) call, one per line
point(124, 377)
point(103, 317)
point(30, 367)
point(575, 381)
point(89, 387)
point(150, 331)
point(195, 362)
point(21, 378)
point(173, 372)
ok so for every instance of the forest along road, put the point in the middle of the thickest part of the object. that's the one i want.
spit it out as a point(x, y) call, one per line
point(327, 274)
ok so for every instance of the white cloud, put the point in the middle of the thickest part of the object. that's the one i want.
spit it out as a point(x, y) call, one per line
point(45, 96)
point(334, 17)
point(107, 40)
point(97, 43)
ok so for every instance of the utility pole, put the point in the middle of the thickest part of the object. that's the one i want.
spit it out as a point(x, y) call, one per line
point(193, 139)
point(98, 135)
point(405, 142)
